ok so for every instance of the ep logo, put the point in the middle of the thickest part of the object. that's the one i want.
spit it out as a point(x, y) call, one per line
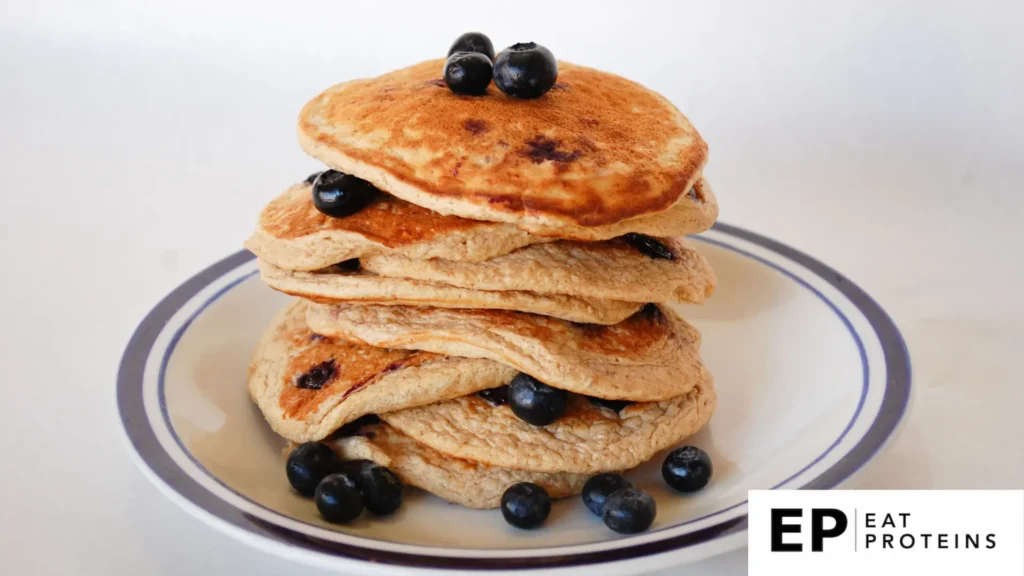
point(854, 532)
point(824, 523)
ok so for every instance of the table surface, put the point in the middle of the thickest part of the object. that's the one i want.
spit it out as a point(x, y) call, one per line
point(140, 139)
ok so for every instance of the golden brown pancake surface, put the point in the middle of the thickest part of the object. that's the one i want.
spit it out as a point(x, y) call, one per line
point(595, 150)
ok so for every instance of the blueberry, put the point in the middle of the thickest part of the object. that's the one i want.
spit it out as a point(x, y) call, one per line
point(687, 469)
point(312, 177)
point(525, 70)
point(535, 402)
point(598, 488)
point(495, 396)
point(629, 510)
point(356, 468)
point(338, 498)
point(381, 488)
point(473, 42)
point(317, 376)
point(308, 465)
point(648, 246)
point(525, 505)
point(613, 405)
point(338, 194)
point(467, 73)
point(650, 310)
point(350, 265)
point(353, 428)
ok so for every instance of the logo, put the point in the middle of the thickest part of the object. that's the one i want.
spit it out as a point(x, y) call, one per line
point(886, 532)
point(818, 531)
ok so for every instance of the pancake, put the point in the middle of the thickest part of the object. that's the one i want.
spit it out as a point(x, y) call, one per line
point(307, 386)
point(610, 270)
point(695, 213)
point(596, 150)
point(464, 482)
point(294, 235)
point(651, 356)
point(586, 439)
point(361, 287)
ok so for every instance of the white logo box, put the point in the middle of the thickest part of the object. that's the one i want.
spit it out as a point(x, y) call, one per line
point(903, 532)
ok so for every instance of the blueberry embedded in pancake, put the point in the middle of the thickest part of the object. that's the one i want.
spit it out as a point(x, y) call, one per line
point(307, 385)
point(613, 405)
point(649, 246)
point(495, 396)
point(352, 265)
point(317, 376)
point(540, 149)
point(354, 428)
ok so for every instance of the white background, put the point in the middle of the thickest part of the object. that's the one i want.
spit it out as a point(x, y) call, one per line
point(138, 141)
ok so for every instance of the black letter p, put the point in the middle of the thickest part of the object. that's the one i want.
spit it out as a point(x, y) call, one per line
point(818, 532)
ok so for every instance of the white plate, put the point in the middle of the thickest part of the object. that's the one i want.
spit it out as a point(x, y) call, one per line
point(813, 379)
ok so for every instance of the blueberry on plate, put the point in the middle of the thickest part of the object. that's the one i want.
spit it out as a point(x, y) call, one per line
point(381, 488)
point(598, 488)
point(308, 465)
point(687, 469)
point(525, 70)
point(338, 498)
point(337, 194)
point(525, 505)
point(535, 402)
point(473, 42)
point(467, 73)
point(629, 510)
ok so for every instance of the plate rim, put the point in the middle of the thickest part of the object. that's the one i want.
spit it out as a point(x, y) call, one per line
point(200, 501)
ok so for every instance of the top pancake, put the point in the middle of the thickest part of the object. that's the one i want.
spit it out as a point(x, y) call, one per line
point(596, 150)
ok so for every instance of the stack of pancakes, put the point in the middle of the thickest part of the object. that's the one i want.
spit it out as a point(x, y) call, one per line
point(541, 236)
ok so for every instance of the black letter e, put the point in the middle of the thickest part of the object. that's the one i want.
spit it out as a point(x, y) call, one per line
point(778, 529)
